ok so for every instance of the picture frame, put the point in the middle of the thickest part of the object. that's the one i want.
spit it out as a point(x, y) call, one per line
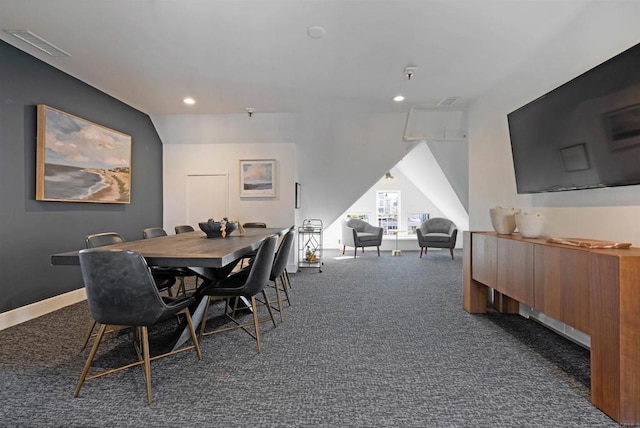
point(622, 127)
point(575, 158)
point(258, 178)
point(80, 161)
point(298, 196)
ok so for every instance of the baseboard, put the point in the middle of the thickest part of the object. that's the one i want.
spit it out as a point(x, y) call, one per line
point(43, 307)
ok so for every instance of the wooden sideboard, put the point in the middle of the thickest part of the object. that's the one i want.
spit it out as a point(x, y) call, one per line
point(594, 291)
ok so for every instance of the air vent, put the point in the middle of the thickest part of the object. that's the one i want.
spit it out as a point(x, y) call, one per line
point(445, 102)
point(38, 42)
point(435, 125)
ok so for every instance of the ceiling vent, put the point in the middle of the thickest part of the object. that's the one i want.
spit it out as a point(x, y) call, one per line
point(38, 42)
point(435, 125)
point(446, 102)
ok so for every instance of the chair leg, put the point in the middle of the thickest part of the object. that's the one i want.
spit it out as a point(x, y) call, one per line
point(378, 250)
point(192, 330)
point(256, 323)
point(421, 250)
point(203, 324)
point(285, 286)
point(278, 299)
point(90, 358)
point(89, 333)
point(144, 337)
point(451, 251)
point(343, 248)
point(355, 252)
point(268, 305)
point(181, 287)
point(286, 275)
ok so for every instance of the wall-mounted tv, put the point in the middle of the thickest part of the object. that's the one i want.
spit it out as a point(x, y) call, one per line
point(584, 134)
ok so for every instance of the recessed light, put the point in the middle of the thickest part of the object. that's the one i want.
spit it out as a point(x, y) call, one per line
point(189, 101)
point(316, 32)
point(398, 98)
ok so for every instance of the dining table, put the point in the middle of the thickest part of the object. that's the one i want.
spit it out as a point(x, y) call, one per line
point(210, 258)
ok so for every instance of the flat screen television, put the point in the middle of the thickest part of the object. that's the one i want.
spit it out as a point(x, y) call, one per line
point(584, 134)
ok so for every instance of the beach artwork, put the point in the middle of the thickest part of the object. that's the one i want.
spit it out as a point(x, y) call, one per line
point(80, 161)
point(257, 178)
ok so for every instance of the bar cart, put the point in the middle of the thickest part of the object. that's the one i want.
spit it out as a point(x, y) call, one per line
point(310, 244)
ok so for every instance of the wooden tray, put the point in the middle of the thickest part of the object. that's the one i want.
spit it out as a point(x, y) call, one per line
point(588, 243)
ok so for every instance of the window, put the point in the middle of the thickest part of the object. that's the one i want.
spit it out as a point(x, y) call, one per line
point(359, 216)
point(388, 207)
point(414, 221)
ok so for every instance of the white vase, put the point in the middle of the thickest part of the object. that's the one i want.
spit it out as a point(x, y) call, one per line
point(503, 219)
point(530, 225)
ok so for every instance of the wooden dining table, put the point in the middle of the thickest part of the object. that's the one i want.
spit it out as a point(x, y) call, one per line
point(211, 258)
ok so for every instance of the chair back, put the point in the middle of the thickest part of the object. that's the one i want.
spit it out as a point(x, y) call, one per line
point(102, 239)
point(254, 224)
point(356, 224)
point(438, 225)
point(258, 276)
point(282, 256)
point(120, 288)
point(153, 232)
point(183, 228)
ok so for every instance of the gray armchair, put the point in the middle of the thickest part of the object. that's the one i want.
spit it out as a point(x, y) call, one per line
point(437, 233)
point(358, 233)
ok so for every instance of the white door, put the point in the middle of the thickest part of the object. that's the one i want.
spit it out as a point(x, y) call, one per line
point(207, 197)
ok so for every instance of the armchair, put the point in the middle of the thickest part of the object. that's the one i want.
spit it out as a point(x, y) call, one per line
point(437, 233)
point(358, 233)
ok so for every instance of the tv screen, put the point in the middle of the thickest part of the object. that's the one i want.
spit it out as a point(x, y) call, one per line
point(584, 134)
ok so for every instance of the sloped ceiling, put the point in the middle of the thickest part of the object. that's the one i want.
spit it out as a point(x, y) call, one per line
point(233, 54)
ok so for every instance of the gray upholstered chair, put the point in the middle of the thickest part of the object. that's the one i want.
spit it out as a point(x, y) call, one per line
point(179, 272)
point(121, 291)
point(164, 281)
point(280, 266)
point(358, 233)
point(183, 228)
point(246, 283)
point(437, 233)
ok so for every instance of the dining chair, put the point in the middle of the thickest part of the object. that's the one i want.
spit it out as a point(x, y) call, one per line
point(121, 291)
point(179, 272)
point(163, 280)
point(279, 266)
point(254, 224)
point(246, 283)
point(251, 225)
point(183, 228)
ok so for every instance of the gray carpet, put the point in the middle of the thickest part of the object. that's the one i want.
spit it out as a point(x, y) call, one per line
point(371, 342)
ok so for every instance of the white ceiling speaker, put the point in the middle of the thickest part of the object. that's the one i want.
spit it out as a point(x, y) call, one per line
point(427, 124)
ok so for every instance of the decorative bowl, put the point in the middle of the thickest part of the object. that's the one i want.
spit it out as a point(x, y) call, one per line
point(503, 220)
point(530, 225)
point(212, 228)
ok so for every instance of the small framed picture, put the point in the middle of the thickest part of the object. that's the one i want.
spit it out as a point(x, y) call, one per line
point(575, 158)
point(258, 178)
point(298, 195)
point(623, 127)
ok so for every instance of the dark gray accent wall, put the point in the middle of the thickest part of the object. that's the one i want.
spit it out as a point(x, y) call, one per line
point(30, 230)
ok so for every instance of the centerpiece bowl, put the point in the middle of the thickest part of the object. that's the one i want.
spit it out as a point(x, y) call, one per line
point(212, 228)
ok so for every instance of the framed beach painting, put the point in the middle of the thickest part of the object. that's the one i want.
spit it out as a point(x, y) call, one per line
point(258, 178)
point(80, 161)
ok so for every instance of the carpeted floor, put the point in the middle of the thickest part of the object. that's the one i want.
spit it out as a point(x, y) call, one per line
point(370, 342)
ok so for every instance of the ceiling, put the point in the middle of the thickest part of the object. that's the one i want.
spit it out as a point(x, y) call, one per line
point(233, 54)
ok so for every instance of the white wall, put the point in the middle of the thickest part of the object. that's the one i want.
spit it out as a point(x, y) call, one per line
point(340, 152)
point(605, 30)
point(183, 159)
point(412, 200)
